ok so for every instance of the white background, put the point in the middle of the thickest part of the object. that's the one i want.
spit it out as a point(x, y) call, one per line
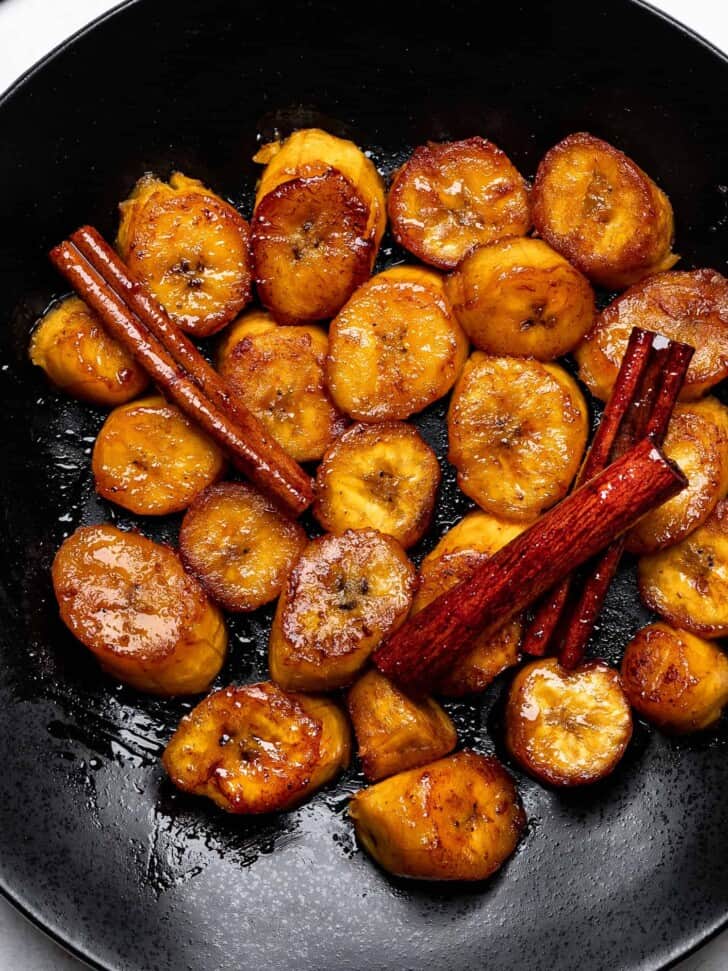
point(28, 30)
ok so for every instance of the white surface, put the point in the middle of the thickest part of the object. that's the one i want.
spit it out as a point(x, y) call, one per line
point(28, 30)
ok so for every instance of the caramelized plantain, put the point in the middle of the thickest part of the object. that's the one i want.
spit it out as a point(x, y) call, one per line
point(257, 749)
point(596, 206)
point(190, 248)
point(342, 598)
point(239, 545)
point(459, 818)
point(674, 679)
point(150, 459)
point(395, 347)
point(129, 601)
point(382, 476)
point(451, 196)
point(567, 728)
point(517, 430)
point(519, 296)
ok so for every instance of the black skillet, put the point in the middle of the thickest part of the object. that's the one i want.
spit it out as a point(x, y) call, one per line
point(94, 844)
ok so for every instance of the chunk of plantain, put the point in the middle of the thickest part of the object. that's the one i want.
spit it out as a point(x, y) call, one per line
point(150, 459)
point(395, 347)
point(517, 431)
point(383, 477)
point(239, 545)
point(697, 440)
point(567, 728)
point(518, 296)
point(602, 212)
point(130, 602)
point(190, 248)
point(674, 679)
point(689, 307)
point(342, 598)
point(257, 749)
point(687, 584)
point(459, 818)
point(81, 359)
point(451, 196)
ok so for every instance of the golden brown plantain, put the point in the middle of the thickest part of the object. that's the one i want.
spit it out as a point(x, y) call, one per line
point(395, 347)
point(257, 749)
point(383, 477)
point(190, 248)
point(150, 459)
point(596, 206)
point(129, 601)
point(342, 598)
point(451, 196)
point(459, 818)
point(239, 545)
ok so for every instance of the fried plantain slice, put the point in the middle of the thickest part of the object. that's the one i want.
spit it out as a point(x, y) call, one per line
point(130, 602)
point(451, 196)
point(257, 749)
point(459, 818)
point(342, 598)
point(599, 209)
point(395, 347)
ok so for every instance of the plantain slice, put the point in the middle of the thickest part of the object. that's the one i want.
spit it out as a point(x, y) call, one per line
point(257, 749)
point(81, 359)
point(150, 459)
point(395, 347)
point(688, 307)
point(342, 598)
point(567, 728)
point(596, 206)
point(395, 732)
point(687, 584)
point(190, 248)
point(460, 551)
point(697, 440)
point(459, 818)
point(519, 296)
point(382, 476)
point(674, 679)
point(129, 601)
point(451, 196)
point(517, 430)
point(278, 372)
point(239, 545)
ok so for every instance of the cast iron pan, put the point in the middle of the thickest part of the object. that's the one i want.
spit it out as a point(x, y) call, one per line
point(94, 844)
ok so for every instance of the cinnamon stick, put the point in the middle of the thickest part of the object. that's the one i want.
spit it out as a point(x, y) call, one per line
point(428, 644)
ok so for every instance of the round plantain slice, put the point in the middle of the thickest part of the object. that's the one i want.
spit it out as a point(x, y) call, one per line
point(451, 196)
point(396, 732)
point(190, 248)
point(278, 372)
point(257, 749)
point(344, 596)
point(697, 440)
point(518, 296)
point(688, 307)
point(687, 584)
point(81, 359)
point(130, 602)
point(239, 545)
point(674, 679)
point(382, 476)
point(517, 430)
point(395, 347)
point(459, 818)
point(567, 728)
point(150, 459)
point(602, 212)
